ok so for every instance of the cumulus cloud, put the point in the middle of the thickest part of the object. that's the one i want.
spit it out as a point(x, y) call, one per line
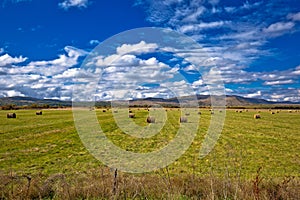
point(73, 3)
point(41, 79)
point(52, 67)
point(254, 95)
point(12, 93)
point(139, 48)
point(8, 60)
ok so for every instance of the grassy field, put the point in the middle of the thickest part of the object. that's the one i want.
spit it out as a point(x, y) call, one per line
point(49, 144)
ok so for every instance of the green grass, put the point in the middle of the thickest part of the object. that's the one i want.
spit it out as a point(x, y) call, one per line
point(49, 143)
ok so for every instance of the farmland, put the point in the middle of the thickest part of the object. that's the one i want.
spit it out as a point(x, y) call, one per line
point(49, 144)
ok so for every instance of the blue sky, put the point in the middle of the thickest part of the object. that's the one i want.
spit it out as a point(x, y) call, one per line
point(254, 44)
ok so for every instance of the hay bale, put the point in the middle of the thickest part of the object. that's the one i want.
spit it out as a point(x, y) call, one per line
point(241, 111)
point(212, 112)
point(257, 116)
point(39, 112)
point(103, 110)
point(277, 111)
point(131, 115)
point(199, 113)
point(11, 115)
point(272, 113)
point(290, 111)
point(130, 111)
point(236, 111)
point(183, 120)
point(187, 114)
point(150, 119)
point(115, 111)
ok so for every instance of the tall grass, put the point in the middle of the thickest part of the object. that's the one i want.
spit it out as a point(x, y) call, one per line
point(102, 183)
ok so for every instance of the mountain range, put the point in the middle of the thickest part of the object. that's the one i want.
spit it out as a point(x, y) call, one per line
point(202, 100)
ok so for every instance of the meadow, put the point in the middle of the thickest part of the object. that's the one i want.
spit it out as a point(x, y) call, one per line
point(42, 156)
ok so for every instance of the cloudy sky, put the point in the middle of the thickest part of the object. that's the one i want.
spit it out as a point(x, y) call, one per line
point(254, 44)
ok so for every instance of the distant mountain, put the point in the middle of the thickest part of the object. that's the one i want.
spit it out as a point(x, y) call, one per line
point(27, 101)
point(202, 100)
point(205, 100)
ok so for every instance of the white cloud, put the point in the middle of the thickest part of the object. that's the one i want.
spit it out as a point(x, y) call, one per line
point(8, 60)
point(213, 2)
point(139, 48)
point(296, 71)
point(52, 67)
point(197, 83)
point(201, 26)
point(190, 69)
point(228, 90)
point(11, 93)
point(94, 42)
point(254, 95)
point(195, 15)
point(294, 16)
point(73, 3)
point(41, 79)
point(279, 28)
point(279, 82)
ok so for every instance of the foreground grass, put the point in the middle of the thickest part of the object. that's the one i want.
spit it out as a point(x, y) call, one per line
point(48, 146)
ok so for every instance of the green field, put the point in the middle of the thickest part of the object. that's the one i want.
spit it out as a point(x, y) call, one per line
point(49, 144)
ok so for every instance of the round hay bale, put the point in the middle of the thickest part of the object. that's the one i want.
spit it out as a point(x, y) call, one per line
point(236, 111)
point(212, 112)
point(131, 115)
point(199, 113)
point(130, 111)
point(115, 111)
point(272, 113)
point(11, 115)
point(256, 116)
point(183, 120)
point(103, 110)
point(39, 112)
point(187, 114)
point(241, 111)
point(150, 119)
